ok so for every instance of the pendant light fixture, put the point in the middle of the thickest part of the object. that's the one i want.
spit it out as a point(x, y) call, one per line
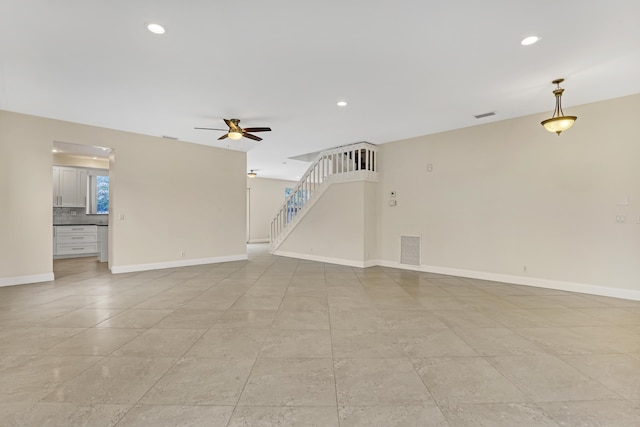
point(558, 122)
point(252, 174)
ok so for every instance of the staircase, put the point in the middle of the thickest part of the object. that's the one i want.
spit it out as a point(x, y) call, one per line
point(353, 162)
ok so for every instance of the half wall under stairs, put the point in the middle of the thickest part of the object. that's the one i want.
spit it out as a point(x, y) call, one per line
point(331, 214)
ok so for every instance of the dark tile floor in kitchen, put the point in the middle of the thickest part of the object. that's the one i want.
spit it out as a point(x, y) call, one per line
point(278, 341)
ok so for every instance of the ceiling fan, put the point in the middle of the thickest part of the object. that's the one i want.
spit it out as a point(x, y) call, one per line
point(236, 132)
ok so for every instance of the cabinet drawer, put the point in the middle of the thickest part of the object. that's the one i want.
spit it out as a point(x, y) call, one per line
point(80, 248)
point(72, 229)
point(76, 238)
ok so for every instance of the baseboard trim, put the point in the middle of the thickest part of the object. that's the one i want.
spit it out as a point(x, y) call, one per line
point(338, 261)
point(259, 240)
point(173, 264)
point(24, 280)
point(630, 294)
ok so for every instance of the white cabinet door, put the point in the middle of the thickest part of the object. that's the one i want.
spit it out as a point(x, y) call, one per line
point(82, 188)
point(69, 187)
point(56, 186)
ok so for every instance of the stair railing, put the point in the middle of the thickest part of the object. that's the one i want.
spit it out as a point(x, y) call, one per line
point(349, 162)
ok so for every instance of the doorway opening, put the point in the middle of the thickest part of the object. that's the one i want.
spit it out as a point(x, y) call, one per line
point(82, 196)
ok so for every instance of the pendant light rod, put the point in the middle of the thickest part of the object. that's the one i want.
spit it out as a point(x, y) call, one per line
point(558, 91)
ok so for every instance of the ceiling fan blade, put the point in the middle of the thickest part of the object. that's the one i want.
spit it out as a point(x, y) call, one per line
point(228, 122)
point(212, 129)
point(223, 136)
point(248, 135)
point(262, 129)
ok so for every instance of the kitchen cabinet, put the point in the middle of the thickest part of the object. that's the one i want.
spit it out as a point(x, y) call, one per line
point(69, 186)
point(75, 240)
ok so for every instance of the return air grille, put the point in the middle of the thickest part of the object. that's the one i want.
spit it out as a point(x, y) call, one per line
point(410, 250)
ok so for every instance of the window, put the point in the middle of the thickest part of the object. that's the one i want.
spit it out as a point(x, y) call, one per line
point(98, 192)
point(102, 194)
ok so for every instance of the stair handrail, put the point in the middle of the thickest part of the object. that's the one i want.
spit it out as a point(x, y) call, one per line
point(312, 177)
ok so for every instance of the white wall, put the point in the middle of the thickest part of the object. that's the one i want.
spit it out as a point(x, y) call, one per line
point(339, 227)
point(266, 197)
point(71, 160)
point(370, 222)
point(174, 196)
point(509, 194)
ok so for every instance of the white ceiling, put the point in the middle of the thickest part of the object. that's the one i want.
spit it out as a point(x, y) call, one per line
point(406, 68)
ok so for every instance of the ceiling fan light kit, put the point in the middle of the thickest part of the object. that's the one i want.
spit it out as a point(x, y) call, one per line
point(558, 123)
point(235, 135)
point(252, 174)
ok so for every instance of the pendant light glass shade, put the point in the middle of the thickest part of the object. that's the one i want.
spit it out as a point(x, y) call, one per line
point(558, 123)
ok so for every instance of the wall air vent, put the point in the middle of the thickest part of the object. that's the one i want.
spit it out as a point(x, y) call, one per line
point(170, 137)
point(410, 250)
point(482, 116)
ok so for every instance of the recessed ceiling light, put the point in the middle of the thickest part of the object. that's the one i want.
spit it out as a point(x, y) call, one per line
point(54, 151)
point(527, 41)
point(342, 103)
point(94, 158)
point(156, 28)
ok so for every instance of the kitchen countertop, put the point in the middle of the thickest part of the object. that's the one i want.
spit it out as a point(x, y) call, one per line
point(75, 225)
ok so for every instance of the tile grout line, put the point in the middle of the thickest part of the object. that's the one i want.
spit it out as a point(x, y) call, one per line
point(235, 406)
point(177, 359)
point(333, 359)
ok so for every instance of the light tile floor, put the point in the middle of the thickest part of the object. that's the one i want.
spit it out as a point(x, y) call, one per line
point(282, 342)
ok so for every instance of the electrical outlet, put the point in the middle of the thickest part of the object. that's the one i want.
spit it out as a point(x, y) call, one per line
point(182, 253)
point(620, 219)
point(524, 268)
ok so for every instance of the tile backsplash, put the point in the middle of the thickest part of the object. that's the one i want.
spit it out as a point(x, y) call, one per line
point(63, 216)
